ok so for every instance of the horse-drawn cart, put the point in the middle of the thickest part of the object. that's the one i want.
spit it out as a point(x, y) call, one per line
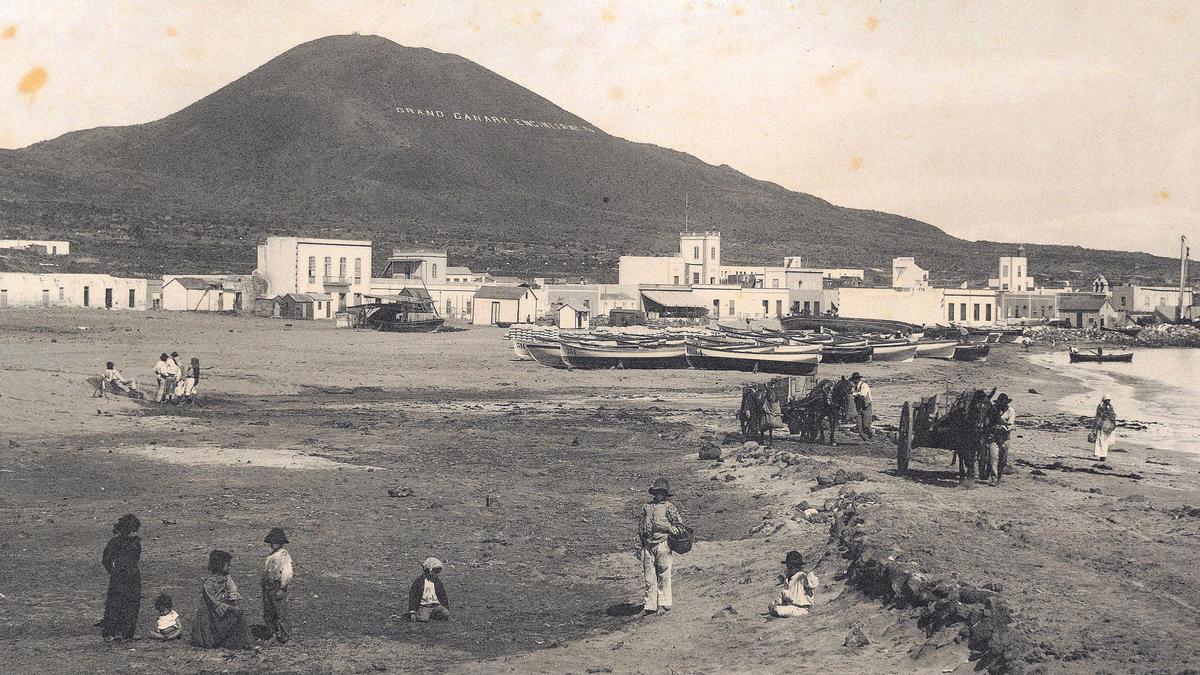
point(962, 422)
point(802, 405)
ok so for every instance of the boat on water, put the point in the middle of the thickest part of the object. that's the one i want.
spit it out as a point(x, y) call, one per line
point(546, 353)
point(893, 351)
point(936, 349)
point(580, 355)
point(971, 352)
point(1100, 356)
point(777, 362)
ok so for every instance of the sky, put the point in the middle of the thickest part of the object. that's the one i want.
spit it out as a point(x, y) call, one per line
point(1038, 122)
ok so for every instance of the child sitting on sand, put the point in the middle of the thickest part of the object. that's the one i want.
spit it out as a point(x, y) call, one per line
point(796, 598)
point(168, 627)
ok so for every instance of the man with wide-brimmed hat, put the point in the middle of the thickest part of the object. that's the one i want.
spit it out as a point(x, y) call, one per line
point(660, 520)
point(1002, 420)
point(277, 574)
point(798, 584)
point(864, 406)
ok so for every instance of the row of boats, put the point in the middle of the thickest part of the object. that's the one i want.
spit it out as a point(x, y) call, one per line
point(786, 352)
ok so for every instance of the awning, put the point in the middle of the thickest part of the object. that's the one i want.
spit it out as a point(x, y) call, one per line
point(675, 299)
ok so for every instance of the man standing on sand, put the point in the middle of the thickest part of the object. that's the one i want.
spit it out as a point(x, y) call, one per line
point(660, 519)
point(166, 383)
point(864, 409)
point(1002, 421)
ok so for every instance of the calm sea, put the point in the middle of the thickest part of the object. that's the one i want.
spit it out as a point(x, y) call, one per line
point(1161, 388)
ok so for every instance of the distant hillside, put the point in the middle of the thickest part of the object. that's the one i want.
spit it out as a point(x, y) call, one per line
point(313, 142)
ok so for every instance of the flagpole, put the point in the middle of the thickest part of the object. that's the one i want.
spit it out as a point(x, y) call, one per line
point(1183, 256)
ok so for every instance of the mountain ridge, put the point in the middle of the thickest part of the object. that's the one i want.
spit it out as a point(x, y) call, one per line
point(318, 138)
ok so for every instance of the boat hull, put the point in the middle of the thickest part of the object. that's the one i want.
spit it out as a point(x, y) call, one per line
point(521, 350)
point(1106, 358)
point(936, 350)
point(973, 352)
point(893, 353)
point(753, 362)
point(590, 358)
point(846, 354)
point(546, 353)
point(423, 326)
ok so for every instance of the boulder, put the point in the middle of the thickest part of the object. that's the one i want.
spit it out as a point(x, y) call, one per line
point(710, 451)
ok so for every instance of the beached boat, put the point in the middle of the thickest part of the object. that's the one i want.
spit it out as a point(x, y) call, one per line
point(846, 354)
point(1100, 356)
point(579, 355)
point(847, 325)
point(546, 353)
point(971, 352)
point(936, 349)
point(781, 363)
point(520, 349)
point(398, 314)
point(893, 352)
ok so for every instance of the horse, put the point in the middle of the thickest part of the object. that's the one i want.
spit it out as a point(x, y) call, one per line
point(966, 430)
point(828, 403)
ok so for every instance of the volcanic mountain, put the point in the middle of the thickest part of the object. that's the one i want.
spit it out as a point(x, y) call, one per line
point(358, 136)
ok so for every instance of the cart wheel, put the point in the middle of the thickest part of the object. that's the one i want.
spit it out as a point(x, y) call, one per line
point(904, 439)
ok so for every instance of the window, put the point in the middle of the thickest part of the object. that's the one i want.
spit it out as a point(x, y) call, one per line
point(778, 308)
point(962, 311)
point(45, 296)
point(358, 270)
point(587, 303)
point(714, 253)
point(1004, 270)
point(774, 283)
point(695, 253)
point(988, 312)
point(731, 308)
point(766, 307)
point(975, 313)
point(312, 268)
point(53, 250)
point(695, 277)
point(86, 295)
point(807, 306)
point(328, 266)
point(449, 309)
point(3, 297)
point(342, 268)
point(133, 298)
point(62, 293)
point(676, 279)
point(1018, 271)
point(434, 274)
point(951, 315)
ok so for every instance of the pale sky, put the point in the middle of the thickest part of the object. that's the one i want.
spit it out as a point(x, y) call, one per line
point(1048, 122)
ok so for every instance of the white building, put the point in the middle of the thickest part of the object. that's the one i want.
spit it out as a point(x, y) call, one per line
point(923, 306)
point(209, 292)
point(1013, 274)
point(503, 305)
point(43, 246)
point(599, 299)
point(907, 274)
point(339, 267)
point(72, 290)
point(573, 318)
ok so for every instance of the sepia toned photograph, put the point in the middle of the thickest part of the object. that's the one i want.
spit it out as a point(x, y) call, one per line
point(599, 336)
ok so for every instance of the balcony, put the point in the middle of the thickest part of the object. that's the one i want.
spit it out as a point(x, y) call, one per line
point(336, 281)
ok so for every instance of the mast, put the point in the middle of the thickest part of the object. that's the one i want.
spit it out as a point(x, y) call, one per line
point(685, 211)
point(1183, 256)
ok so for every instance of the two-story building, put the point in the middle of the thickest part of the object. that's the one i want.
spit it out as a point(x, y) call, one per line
point(339, 268)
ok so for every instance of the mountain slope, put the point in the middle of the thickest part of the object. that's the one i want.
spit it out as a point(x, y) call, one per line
point(331, 136)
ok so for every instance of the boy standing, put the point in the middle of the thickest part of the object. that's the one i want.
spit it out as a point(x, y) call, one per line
point(277, 574)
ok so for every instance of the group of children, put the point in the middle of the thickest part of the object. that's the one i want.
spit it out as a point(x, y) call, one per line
point(176, 384)
point(220, 619)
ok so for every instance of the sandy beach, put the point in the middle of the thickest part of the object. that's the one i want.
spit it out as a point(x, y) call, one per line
point(526, 481)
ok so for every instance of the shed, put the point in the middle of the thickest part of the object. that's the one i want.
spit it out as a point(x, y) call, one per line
point(503, 305)
point(292, 306)
point(626, 317)
point(1086, 310)
point(571, 317)
point(674, 304)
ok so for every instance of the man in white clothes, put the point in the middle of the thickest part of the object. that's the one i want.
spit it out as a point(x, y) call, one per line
point(864, 410)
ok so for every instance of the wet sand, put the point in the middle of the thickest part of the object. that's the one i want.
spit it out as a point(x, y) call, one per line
point(526, 481)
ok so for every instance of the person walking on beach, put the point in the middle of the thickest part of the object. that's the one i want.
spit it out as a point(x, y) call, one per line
point(799, 585)
point(124, 598)
point(277, 574)
point(427, 599)
point(1104, 428)
point(1003, 418)
point(864, 406)
point(220, 620)
point(660, 520)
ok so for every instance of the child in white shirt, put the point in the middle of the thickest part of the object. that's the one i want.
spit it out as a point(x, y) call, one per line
point(168, 627)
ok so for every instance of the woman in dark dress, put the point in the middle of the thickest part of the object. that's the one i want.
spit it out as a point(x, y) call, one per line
point(124, 597)
point(220, 620)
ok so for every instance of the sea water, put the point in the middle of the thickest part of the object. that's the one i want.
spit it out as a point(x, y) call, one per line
point(1160, 388)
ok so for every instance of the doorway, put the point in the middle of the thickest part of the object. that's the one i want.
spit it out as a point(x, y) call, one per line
point(108, 298)
point(495, 313)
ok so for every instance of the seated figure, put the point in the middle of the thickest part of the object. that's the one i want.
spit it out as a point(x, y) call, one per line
point(799, 585)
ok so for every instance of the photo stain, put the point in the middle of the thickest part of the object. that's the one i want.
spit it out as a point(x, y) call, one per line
point(609, 15)
point(1163, 195)
point(830, 81)
point(856, 163)
point(872, 23)
point(738, 11)
point(616, 94)
point(35, 79)
point(9, 33)
point(171, 32)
